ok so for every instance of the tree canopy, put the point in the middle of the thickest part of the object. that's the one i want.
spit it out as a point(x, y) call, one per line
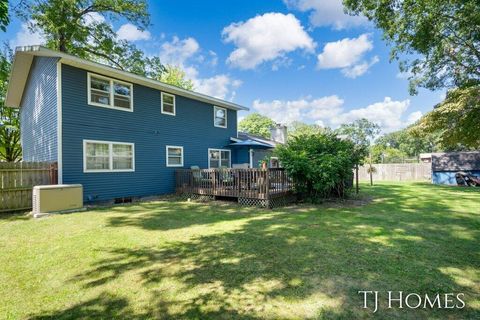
point(83, 28)
point(298, 128)
point(361, 131)
point(10, 149)
point(438, 42)
point(457, 119)
point(174, 75)
point(438, 45)
point(4, 18)
point(256, 124)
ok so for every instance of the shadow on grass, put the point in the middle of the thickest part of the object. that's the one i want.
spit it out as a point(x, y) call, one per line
point(12, 216)
point(309, 262)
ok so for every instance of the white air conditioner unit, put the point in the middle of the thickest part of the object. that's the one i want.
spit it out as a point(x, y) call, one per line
point(56, 198)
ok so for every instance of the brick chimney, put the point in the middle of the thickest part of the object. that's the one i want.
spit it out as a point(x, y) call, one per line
point(279, 133)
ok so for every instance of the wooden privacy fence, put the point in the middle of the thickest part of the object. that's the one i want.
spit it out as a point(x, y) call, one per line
point(397, 172)
point(264, 187)
point(18, 179)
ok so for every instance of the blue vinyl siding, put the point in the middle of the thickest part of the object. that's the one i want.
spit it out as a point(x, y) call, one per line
point(146, 127)
point(241, 155)
point(38, 112)
point(448, 177)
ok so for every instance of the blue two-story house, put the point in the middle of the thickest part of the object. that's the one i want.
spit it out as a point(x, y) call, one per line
point(116, 133)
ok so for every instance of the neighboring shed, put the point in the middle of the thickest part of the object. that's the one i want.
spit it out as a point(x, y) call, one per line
point(445, 165)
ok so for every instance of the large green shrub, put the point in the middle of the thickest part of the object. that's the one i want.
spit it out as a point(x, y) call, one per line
point(321, 165)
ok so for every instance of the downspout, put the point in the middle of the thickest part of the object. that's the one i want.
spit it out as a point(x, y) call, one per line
point(250, 151)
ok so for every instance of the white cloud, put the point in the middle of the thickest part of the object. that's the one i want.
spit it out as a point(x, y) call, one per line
point(348, 54)
point(186, 54)
point(345, 52)
point(265, 38)
point(387, 113)
point(220, 86)
point(130, 32)
point(414, 117)
point(93, 17)
point(404, 75)
point(213, 58)
point(359, 69)
point(25, 37)
point(178, 51)
point(299, 110)
point(391, 115)
point(327, 13)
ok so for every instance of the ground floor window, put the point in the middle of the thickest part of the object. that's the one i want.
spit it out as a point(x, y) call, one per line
point(274, 162)
point(174, 156)
point(219, 158)
point(107, 156)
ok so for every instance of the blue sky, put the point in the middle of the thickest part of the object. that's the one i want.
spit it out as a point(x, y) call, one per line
point(290, 60)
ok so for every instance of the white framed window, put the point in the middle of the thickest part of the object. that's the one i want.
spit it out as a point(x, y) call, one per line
point(219, 158)
point(109, 93)
point(274, 163)
point(174, 156)
point(108, 156)
point(168, 103)
point(219, 117)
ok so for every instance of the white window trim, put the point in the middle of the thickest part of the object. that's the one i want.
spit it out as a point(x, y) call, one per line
point(166, 156)
point(214, 116)
point(174, 103)
point(110, 156)
point(111, 105)
point(274, 158)
point(220, 150)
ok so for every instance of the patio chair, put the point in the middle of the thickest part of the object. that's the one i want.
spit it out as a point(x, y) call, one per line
point(226, 177)
point(198, 177)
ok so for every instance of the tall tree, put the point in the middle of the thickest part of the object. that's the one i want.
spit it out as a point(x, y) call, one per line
point(174, 75)
point(83, 28)
point(298, 128)
point(457, 119)
point(438, 45)
point(361, 132)
point(80, 27)
point(256, 124)
point(10, 149)
point(438, 41)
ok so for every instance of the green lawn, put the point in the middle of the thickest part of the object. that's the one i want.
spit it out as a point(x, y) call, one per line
point(203, 261)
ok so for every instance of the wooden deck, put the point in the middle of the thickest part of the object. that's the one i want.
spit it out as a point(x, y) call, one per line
point(264, 187)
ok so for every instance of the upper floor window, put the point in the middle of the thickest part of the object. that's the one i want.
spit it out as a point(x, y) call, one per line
point(174, 156)
point(220, 117)
point(168, 103)
point(105, 156)
point(109, 93)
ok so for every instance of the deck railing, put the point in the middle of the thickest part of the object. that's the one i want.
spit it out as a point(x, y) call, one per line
point(262, 184)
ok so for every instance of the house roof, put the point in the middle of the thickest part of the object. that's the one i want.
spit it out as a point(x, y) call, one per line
point(24, 57)
point(250, 143)
point(456, 161)
point(243, 136)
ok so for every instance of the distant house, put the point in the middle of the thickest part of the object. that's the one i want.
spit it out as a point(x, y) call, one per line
point(445, 165)
point(252, 150)
point(116, 133)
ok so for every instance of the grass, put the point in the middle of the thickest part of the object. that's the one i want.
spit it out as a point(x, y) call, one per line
point(190, 260)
